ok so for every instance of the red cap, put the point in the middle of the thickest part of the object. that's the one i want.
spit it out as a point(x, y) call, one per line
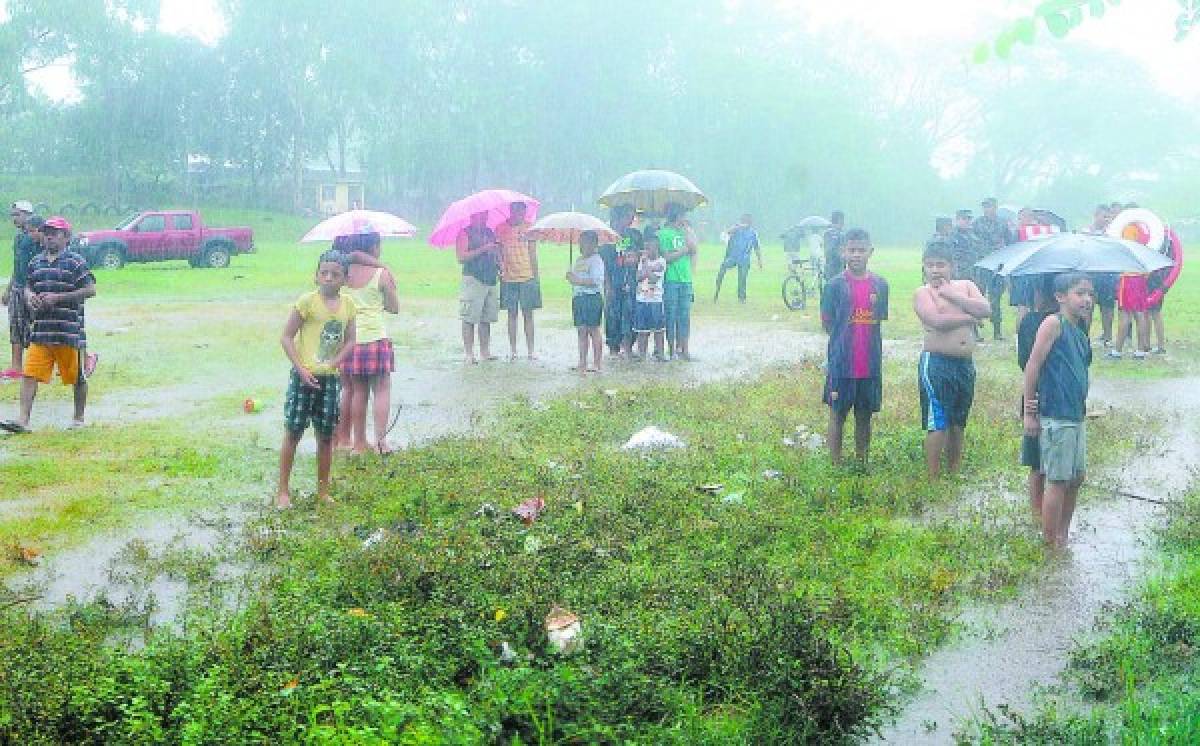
point(58, 222)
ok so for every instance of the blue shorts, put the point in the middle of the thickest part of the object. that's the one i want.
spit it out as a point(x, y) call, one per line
point(649, 317)
point(1105, 286)
point(1021, 290)
point(863, 395)
point(947, 390)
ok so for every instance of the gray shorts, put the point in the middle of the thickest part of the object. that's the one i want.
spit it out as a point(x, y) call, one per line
point(478, 303)
point(1063, 446)
point(521, 296)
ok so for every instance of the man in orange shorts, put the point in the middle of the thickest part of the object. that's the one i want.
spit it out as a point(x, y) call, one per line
point(59, 282)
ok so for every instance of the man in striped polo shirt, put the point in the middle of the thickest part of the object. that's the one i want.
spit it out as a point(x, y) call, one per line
point(58, 283)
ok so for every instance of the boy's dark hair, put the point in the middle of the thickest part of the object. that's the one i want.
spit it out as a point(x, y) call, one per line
point(837, 217)
point(336, 257)
point(1043, 290)
point(937, 249)
point(857, 234)
point(1067, 280)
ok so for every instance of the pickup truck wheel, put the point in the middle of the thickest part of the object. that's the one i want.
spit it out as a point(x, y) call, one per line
point(111, 257)
point(217, 257)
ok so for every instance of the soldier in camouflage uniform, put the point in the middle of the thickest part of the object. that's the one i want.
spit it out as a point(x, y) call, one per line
point(992, 234)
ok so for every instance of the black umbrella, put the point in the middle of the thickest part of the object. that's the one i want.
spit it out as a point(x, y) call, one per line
point(1073, 252)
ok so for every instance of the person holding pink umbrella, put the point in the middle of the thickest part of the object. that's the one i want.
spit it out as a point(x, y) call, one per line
point(469, 226)
point(479, 294)
point(520, 286)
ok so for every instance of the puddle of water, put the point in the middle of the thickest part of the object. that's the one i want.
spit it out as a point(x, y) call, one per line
point(1008, 650)
point(98, 567)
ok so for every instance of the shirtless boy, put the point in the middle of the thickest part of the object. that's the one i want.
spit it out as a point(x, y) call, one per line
point(948, 309)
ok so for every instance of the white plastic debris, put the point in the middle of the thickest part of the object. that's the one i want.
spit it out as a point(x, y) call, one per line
point(814, 442)
point(564, 632)
point(651, 438)
point(376, 536)
point(507, 654)
point(771, 474)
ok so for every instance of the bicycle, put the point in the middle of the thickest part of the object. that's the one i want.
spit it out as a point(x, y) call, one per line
point(802, 282)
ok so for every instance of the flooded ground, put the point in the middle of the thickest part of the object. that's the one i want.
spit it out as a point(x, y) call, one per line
point(1007, 651)
point(436, 395)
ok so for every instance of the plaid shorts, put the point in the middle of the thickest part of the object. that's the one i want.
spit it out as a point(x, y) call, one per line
point(370, 359)
point(19, 321)
point(320, 405)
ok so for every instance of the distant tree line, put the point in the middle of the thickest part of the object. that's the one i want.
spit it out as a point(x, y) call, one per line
point(435, 98)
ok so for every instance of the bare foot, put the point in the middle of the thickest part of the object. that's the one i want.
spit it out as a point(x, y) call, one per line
point(76, 424)
point(283, 500)
point(512, 357)
point(581, 370)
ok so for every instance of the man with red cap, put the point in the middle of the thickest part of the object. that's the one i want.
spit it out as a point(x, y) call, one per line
point(57, 285)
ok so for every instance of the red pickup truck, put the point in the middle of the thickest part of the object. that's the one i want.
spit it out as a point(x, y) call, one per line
point(163, 235)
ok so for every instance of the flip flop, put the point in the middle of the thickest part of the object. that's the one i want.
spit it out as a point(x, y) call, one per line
point(15, 428)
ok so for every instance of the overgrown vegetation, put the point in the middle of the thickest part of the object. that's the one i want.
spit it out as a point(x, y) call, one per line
point(780, 609)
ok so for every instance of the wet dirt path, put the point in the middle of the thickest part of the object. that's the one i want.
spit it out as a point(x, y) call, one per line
point(1008, 650)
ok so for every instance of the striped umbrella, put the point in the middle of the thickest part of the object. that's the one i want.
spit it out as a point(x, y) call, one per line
point(651, 191)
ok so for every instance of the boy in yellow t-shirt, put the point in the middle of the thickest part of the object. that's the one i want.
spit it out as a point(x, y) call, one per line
point(318, 335)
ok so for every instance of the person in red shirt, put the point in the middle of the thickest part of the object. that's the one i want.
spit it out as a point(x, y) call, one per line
point(853, 305)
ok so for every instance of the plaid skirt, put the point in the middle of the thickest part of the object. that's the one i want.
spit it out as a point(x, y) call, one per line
point(370, 359)
point(20, 323)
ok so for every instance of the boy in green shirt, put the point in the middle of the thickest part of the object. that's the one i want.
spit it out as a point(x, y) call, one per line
point(677, 242)
point(317, 337)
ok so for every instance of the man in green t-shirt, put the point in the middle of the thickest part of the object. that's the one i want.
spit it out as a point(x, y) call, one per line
point(678, 242)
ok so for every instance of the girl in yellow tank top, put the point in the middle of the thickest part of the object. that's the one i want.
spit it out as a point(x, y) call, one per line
point(367, 372)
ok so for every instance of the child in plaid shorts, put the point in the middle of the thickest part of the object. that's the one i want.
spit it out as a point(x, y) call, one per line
point(317, 337)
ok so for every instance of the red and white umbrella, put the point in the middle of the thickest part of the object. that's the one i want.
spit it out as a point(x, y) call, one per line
point(357, 222)
point(565, 227)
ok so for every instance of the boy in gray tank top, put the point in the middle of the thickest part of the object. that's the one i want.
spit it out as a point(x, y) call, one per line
point(1056, 388)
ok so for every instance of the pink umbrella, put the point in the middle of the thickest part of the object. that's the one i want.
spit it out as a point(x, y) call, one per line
point(356, 222)
point(495, 202)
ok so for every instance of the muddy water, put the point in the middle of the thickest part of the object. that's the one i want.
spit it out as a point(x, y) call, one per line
point(1010, 649)
point(436, 395)
point(101, 566)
